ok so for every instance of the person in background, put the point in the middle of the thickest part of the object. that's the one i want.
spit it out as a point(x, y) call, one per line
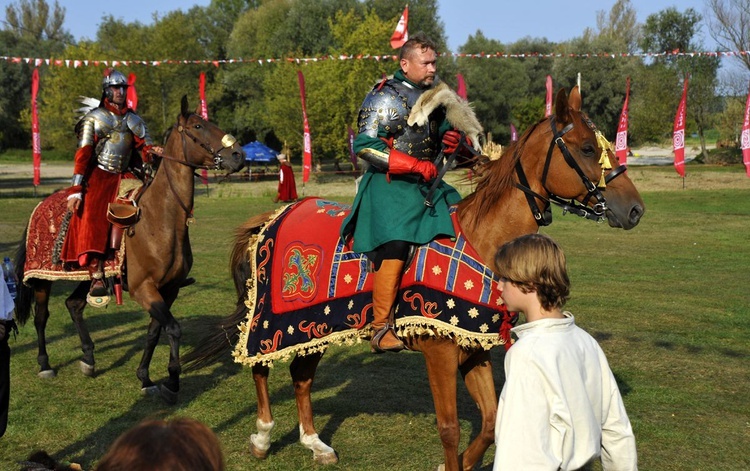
point(7, 324)
point(113, 140)
point(389, 214)
point(287, 190)
point(180, 444)
point(560, 407)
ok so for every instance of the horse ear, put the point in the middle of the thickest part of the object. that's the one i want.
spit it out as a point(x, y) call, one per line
point(562, 114)
point(184, 106)
point(574, 100)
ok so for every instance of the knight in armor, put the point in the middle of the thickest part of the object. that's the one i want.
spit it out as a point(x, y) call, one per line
point(113, 140)
point(389, 214)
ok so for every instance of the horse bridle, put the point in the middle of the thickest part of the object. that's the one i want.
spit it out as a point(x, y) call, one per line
point(227, 141)
point(596, 212)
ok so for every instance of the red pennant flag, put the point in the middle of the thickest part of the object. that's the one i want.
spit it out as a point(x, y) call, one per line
point(401, 35)
point(36, 141)
point(513, 133)
point(352, 155)
point(461, 90)
point(745, 139)
point(548, 102)
point(132, 96)
point(204, 115)
point(307, 155)
point(621, 143)
point(678, 137)
point(202, 92)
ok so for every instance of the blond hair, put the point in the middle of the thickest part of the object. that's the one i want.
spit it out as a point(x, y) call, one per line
point(534, 262)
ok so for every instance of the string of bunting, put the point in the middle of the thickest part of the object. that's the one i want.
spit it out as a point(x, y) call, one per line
point(75, 63)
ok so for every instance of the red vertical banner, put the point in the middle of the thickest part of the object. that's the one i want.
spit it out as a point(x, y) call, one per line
point(204, 115)
point(621, 143)
point(307, 155)
point(745, 137)
point(678, 137)
point(548, 101)
point(461, 90)
point(401, 34)
point(36, 141)
point(513, 133)
point(132, 96)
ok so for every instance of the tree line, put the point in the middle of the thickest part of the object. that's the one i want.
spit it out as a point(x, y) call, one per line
point(255, 99)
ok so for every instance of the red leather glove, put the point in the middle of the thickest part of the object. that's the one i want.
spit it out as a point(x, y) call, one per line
point(400, 164)
point(451, 139)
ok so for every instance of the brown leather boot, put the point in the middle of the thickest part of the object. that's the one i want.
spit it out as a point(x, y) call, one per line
point(384, 291)
point(98, 288)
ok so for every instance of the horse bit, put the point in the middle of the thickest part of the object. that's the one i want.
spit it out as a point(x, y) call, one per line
point(595, 212)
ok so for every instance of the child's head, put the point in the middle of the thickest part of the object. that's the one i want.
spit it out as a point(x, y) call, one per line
point(534, 262)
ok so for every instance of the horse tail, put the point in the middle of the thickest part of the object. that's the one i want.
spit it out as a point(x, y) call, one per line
point(24, 293)
point(223, 335)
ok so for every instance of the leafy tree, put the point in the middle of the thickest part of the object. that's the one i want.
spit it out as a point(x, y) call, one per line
point(670, 30)
point(494, 86)
point(31, 30)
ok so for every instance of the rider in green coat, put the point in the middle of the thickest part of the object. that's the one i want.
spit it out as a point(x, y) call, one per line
point(389, 212)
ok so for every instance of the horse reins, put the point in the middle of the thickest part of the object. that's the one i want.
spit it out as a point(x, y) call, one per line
point(227, 141)
point(594, 213)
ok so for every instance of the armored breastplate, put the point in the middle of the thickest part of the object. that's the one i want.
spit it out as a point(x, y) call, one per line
point(388, 107)
point(115, 137)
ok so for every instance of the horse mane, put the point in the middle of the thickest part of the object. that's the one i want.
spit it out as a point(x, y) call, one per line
point(495, 178)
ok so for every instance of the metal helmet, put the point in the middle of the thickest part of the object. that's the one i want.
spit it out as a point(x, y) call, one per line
point(113, 78)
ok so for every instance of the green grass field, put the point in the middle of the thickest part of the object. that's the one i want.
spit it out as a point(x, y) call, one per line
point(668, 301)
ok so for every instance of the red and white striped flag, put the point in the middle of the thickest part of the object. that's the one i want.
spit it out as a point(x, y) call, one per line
point(745, 139)
point(401, 35)
point(548, 101)
point(621, 142)
point(36, 141)
point(307, 155)
point(678, 137)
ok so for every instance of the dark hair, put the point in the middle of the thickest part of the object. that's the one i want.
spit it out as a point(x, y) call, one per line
point(419, 41)
point(534, 262)
point(181, 444)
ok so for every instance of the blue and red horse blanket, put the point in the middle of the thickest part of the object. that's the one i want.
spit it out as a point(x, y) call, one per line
point(309, 289)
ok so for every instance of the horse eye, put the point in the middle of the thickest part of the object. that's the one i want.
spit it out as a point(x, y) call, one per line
point(588, 149)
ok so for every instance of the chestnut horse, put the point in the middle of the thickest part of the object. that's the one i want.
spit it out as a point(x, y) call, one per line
point(561, 160)
point(158, 251)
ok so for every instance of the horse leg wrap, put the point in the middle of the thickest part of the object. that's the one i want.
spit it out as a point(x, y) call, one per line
point(261, 441)
point(322, 453)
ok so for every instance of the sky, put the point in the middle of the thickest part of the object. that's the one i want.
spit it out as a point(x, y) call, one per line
point(502, 20)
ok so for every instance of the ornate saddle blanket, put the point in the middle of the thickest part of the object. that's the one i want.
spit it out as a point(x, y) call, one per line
point(44, 238)
point(309, 290)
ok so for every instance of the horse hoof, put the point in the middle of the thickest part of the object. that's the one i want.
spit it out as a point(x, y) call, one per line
point(46, 374)
point(257, 452)
point(441, 467)
point(150, 390)
point(169, 396)
point(326, 458)
point(86, 369)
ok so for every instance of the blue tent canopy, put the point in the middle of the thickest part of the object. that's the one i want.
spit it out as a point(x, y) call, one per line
point(259, 152)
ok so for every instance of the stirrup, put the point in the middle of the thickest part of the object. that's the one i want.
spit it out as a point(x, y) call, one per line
point(378, 336)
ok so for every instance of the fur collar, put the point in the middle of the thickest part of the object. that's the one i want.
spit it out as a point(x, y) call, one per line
point(458, 111)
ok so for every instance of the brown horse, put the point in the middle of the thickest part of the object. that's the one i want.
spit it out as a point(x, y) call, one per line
point(559, 160)
point(158, 251)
